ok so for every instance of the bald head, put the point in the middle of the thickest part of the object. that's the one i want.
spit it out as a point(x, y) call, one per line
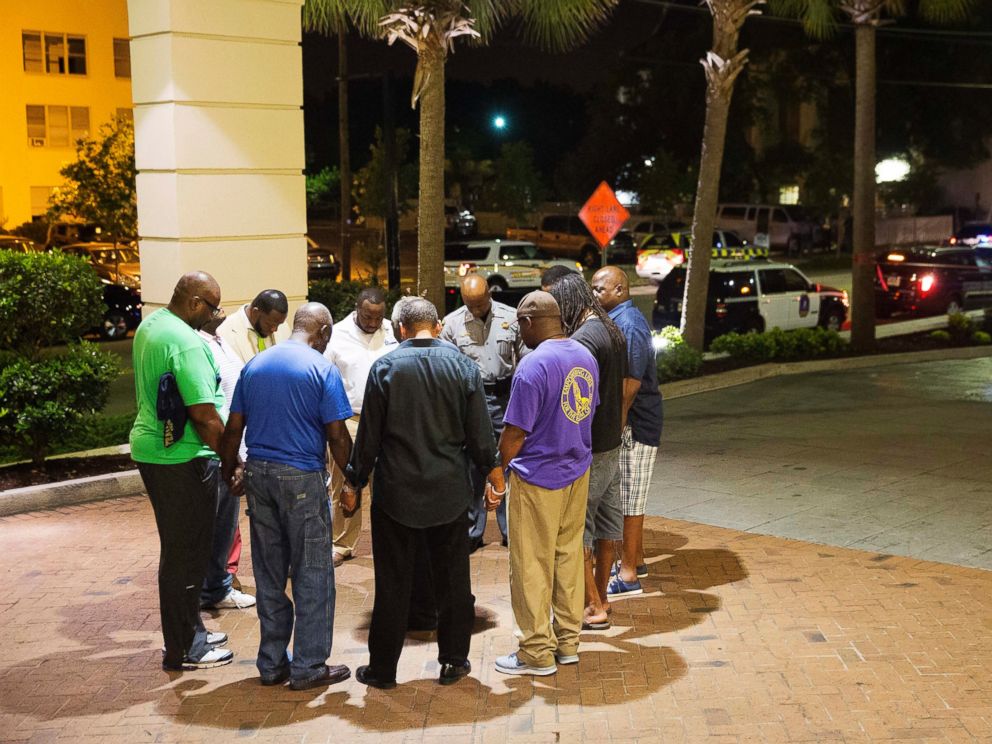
point(312, 326)
point(610, 287)
point(195, 299)
point(475, 295)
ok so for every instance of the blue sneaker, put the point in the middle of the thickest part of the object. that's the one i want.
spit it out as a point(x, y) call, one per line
point(619, 588)
point(642, 570)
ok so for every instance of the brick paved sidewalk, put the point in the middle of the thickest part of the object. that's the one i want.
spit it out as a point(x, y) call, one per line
point(741, 638)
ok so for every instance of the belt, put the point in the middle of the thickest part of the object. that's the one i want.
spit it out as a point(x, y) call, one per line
point(500, 387)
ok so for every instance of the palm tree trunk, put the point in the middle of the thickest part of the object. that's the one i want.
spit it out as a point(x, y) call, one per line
point(704, 215)
point(863, 205)
point(430, 209)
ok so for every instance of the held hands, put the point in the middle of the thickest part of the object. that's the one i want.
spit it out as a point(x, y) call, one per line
point(233, 474)
point(351, 500)
point(496, 489)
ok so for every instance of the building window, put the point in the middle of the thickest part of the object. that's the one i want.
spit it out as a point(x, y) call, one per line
point(122, 58)
point(39, 199)
point(56, 126)
point(126, 114)
point(34, 60)
point(788, 195)
point(54, 53)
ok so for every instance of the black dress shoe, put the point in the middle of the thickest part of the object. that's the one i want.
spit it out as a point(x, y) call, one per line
point(474, 545)
point(362, 675)
point(277, 679)
point(451, 673)
point(330, 676)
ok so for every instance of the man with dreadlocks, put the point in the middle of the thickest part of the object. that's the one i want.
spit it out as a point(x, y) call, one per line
point(585, 321)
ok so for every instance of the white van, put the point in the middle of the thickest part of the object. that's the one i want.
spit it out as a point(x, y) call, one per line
point(776, 226)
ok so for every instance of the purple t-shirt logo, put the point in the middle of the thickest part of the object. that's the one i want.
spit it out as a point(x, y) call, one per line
point(576, 405)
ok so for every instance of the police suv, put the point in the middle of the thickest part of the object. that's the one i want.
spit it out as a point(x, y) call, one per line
point(752, 296)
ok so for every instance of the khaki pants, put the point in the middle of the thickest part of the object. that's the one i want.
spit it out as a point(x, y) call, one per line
point(345, 531)
point(546, 567)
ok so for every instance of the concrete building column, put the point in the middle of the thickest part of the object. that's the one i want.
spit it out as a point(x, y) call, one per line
point(218, 128)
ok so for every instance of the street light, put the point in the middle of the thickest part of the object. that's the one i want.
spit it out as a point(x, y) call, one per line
point(499, 122)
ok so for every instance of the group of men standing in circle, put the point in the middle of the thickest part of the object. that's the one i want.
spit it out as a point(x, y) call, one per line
point(548, 415)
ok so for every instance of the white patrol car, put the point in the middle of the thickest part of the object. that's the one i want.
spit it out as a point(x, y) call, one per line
point(754, 296)
point(506, 264)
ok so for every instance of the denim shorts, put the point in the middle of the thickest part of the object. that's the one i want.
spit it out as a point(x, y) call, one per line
point(604, 516)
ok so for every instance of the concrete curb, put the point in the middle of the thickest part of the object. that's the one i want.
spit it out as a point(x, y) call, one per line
point(67, 493)
point(743, 376)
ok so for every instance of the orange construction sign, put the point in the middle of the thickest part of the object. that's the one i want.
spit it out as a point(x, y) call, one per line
point(603, 214)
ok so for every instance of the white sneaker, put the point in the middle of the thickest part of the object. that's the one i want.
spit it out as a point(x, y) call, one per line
point(215, 657)
point(213, 639)
point(234, 600)
point(510, 664)
point(566, 658)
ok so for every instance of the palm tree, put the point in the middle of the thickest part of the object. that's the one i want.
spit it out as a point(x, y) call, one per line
point(722, 64)
point(429, 28)
point(819, 19)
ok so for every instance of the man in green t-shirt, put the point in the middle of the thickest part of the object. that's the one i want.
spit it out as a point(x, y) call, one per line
point(181, 471)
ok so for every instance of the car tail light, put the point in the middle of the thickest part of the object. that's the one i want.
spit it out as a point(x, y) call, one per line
point(677, 256)
point(927, 283)
point(465, 268)
point(721, 309)
point(953, 241)
point(642, 259)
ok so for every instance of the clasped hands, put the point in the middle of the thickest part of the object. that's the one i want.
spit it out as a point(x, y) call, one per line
point(350, 499)
point(496, 488)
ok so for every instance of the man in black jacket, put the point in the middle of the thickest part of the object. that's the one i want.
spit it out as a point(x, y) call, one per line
point(424, 418)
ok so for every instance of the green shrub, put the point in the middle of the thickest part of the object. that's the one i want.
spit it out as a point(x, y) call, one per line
point(981, 338)
point(960, 328)
point(46, 400)
point(46, 299)
point(339, 297)
point(94, 432)
point(676, 360)
point(779, 345)
point(941, 336)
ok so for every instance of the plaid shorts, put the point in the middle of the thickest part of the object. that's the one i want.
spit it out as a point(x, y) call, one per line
point(636, 467)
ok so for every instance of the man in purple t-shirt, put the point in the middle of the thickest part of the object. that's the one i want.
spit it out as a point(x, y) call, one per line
point(547, 445)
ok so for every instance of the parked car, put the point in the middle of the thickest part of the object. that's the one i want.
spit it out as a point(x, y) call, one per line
point(506, 264)
point(67, 233)
point(786, 227)
point(645, 228)
point(321, 263)
point(622, 249)
point(973, 233)
point(114, 264)
point(459, 223)
point(562, 235)
point(932, 280)
point(123, 311)
point(752, 296)
point(17, 244)
point(659, 254)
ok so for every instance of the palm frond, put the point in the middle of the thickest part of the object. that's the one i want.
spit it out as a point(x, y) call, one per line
point(945, 11)
point(818, 16)
point(489, 15)
point(559, 25)
point(330, 16)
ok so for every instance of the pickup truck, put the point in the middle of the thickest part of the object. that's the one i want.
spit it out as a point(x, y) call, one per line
point(561, 235)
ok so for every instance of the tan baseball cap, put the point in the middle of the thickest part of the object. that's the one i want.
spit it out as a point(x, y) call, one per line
point(538, 304)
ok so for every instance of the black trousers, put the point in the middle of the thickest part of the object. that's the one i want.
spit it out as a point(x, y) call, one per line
point(184, 498)
point(394, 550)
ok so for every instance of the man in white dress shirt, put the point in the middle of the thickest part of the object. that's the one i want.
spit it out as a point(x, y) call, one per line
point(357, 341)
point(252, 328)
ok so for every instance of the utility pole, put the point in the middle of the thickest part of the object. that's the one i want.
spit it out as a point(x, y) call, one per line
point(392, 189)
point(344, 145)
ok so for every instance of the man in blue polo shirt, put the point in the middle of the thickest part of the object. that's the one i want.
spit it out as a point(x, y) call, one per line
point(642, 428)
point(293, 404)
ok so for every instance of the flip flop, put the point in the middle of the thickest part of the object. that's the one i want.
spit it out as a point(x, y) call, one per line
point(596, 626)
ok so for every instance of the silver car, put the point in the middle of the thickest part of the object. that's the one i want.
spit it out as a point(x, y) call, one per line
point(506, 264)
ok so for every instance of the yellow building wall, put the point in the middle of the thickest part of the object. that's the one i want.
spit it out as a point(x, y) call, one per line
point(22, 165)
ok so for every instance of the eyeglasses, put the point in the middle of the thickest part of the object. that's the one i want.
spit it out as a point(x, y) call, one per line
point(214, 310)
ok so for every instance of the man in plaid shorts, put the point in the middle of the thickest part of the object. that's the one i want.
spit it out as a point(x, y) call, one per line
point(642, 428)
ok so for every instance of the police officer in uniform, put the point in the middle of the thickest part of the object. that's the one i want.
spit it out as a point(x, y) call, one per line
point(486, 332)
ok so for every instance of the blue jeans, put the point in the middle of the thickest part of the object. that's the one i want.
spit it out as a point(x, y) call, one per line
point(217, 582)
point(290, 516)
